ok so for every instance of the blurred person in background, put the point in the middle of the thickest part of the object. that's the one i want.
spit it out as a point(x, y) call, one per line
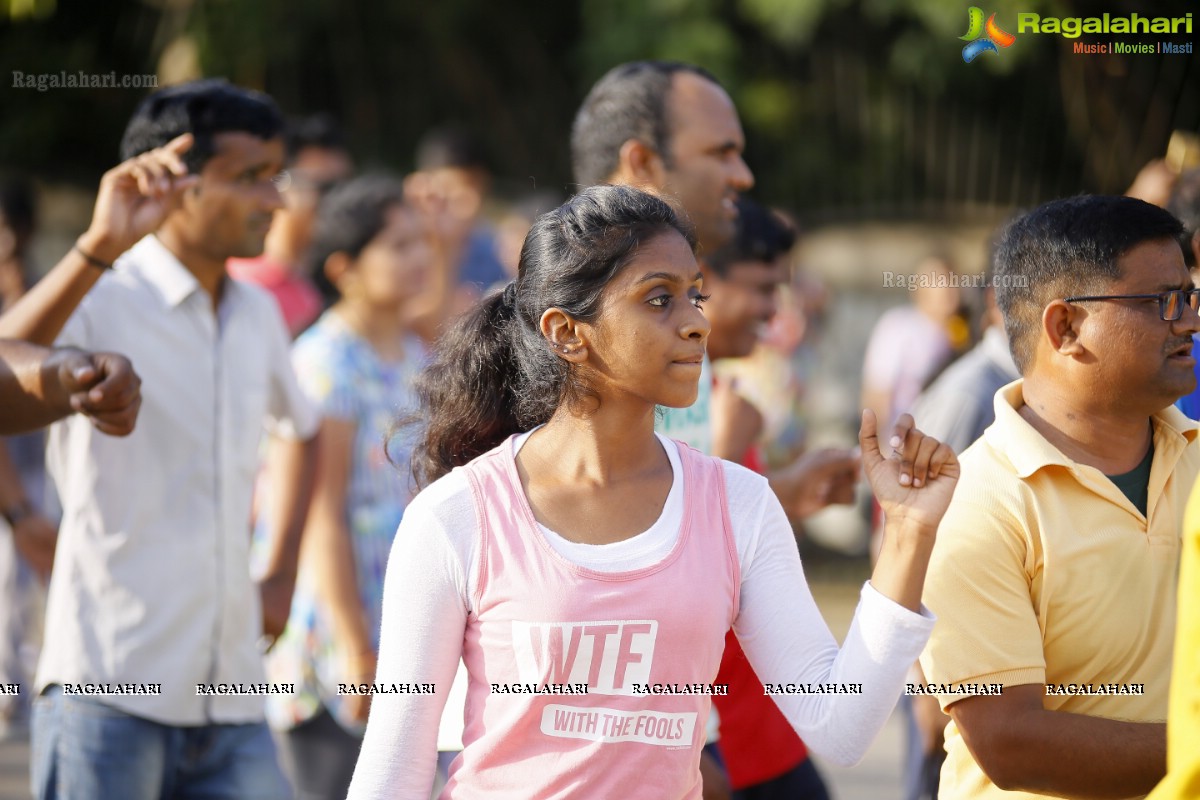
point(670, 128)
point(151, 585)
point(27, 528)
point(18, 222)
point(514, 225)
point(745, 277)
point(1154, 183)
point(908, 347)
point(1184, 203)
point(317, 160)
point(762, 753)
point(357, 364)
point(774, 377)
point(960, 402)
point(911, 343)
point(451, 185)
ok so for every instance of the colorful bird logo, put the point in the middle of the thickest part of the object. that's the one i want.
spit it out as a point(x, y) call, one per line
point(983, 37)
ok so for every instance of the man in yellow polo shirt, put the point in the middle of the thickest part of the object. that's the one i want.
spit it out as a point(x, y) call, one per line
point(1053, 577)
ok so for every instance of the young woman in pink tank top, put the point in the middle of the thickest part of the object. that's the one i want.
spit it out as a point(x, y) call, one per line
point(587, 573)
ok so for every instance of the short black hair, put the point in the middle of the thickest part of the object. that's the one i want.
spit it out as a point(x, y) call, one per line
point(316, 130)
point(1185, 205)
point(349, 217)
point(203, 108)
point(629, 102)
point(762, 235)
point(1067, 247)
point(451, 146)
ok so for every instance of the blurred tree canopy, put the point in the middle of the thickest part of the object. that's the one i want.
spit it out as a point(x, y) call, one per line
point(852, 108)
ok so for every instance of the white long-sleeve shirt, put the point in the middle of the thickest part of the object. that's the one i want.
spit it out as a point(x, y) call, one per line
point(427, 600)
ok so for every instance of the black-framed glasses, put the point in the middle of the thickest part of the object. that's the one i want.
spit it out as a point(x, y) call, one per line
point(1170, 303)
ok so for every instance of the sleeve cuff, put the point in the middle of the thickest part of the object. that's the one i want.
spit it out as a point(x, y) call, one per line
point(889, 629)
point(872, 597)
point(992, 683)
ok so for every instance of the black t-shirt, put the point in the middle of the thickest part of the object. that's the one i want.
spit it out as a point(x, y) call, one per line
point(1135, 484)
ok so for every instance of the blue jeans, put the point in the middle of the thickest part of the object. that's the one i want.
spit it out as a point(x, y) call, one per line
point(86, 750)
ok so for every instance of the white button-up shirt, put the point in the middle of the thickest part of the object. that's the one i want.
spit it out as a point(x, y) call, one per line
point(151, 579)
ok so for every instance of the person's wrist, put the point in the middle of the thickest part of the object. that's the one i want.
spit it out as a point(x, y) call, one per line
point(99, 246)
point(909, 531)
point(56, 379)
point(280, 569)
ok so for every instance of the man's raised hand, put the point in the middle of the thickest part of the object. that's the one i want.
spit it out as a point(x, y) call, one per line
point(135, 197)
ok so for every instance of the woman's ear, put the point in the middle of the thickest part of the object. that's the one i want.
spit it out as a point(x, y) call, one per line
point(562, 335)
point(337, 270)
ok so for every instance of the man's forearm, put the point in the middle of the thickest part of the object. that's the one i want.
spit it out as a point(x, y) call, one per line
point(1078, 756)
point(39, 316)
point(30, 399)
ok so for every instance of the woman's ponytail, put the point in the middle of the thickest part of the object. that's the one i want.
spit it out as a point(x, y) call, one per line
point(467, 391)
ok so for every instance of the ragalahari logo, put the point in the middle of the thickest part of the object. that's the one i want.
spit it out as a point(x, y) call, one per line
point(983, 37)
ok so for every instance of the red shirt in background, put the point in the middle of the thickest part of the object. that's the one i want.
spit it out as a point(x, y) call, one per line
point(296, 295)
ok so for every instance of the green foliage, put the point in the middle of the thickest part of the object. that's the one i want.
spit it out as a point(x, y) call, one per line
point(614, 31)
point(24, 9)
point(850, 106)
point(791, 23)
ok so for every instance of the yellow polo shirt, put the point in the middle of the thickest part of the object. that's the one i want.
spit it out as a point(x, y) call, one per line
point(1045, 573)
point(1183, 724)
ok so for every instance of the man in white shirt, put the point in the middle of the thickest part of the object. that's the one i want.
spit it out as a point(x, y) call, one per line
point(149, 683)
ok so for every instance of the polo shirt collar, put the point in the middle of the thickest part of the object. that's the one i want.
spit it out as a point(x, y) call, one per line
point(160, 268)
point(1028, 451)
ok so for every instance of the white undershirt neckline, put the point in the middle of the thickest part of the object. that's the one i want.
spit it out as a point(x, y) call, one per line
point(637, 552)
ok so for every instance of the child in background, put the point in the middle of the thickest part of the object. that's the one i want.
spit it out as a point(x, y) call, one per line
point(357, 363)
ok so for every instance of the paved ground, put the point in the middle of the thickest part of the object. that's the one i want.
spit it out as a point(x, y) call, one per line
point(836, 590)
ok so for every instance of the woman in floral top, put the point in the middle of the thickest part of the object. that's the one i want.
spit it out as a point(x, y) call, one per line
point(357, 363)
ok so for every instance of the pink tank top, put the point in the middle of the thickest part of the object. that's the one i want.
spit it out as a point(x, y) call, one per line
point(543, 623)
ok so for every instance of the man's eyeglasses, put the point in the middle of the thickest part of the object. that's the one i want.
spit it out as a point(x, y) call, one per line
point(288, 180)
point(1170, 304)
